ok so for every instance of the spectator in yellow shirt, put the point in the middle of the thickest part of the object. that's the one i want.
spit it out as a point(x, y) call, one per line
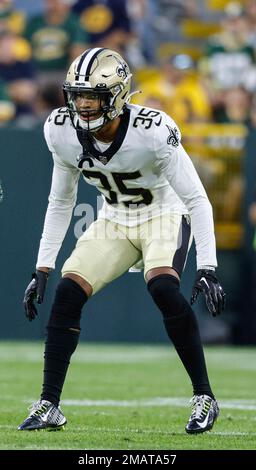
point(181, 90)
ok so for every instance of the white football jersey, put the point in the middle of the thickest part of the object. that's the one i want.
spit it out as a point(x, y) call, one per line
point(144, 172)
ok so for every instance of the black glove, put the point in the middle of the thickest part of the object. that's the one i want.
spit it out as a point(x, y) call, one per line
point(34, 292)
point(207, 282)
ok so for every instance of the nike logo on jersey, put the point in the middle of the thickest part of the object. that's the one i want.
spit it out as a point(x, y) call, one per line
point(159, 122)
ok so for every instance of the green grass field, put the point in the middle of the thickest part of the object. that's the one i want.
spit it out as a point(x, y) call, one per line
point(128, 397)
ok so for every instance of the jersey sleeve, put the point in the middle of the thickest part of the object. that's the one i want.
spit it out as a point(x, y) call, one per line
point(62, 199)
point(47, 134)
point(173, 161)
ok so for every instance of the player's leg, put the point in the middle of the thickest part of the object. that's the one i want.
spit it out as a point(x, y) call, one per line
point(101, 255)
point(164, 262)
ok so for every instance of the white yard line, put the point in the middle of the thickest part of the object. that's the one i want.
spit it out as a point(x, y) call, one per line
point(91, 429)
point(233, 404)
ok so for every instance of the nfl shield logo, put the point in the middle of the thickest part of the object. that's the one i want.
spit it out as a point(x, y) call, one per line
point(103, 159)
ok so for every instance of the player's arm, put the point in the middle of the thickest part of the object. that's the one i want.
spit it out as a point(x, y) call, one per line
point(185, 181)
point(62, 199)
point(173, 161)
point(178, 169)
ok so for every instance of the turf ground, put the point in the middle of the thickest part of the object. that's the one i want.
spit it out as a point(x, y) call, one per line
point(128, 397)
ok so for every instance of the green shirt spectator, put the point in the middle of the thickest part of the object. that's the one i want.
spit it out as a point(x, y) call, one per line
point(52, 42)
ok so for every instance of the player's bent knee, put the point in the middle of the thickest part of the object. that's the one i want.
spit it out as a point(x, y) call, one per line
point(159, 271)
point(165, 292)
point(80, 281)
point(67, 306)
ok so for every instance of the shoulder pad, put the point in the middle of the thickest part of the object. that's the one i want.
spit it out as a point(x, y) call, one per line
point(58, 116)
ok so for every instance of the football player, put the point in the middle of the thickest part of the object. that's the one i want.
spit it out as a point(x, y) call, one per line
point(153, 202)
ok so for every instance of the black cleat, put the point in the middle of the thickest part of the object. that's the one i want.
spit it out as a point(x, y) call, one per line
point(205, 411)
point(43, 415)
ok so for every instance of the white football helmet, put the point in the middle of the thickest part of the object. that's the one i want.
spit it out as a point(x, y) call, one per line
point(103, 73)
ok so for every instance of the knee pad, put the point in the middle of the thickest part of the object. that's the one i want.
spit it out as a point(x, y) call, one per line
point(67, 306)
point(165, 291)
point(179, 319)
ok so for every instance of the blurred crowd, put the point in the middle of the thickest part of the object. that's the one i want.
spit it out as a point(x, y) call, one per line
point(38, 46)
point(189, 59)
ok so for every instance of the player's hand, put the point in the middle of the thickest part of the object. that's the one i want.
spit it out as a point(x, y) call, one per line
point(35, 292)
point(207, 282)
